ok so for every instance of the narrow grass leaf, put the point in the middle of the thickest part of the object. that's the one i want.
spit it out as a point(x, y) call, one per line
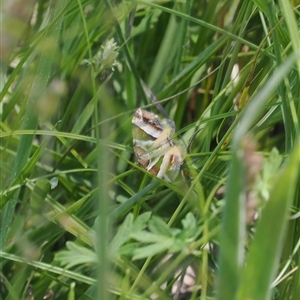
point(264, 253)
point(71, 295)
point(233, 224)
point(20, 178)
point(291, 22)
point(129, 204)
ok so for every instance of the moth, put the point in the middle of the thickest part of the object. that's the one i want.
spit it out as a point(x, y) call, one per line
point(155, 148)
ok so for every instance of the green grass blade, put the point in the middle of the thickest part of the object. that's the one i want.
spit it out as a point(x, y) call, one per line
point(39, 84)
point(233, 224)
point(264, 253)
point(291, 23)
point(128, 205)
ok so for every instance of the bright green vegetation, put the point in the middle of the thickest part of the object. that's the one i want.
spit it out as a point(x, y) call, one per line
point(79, 219)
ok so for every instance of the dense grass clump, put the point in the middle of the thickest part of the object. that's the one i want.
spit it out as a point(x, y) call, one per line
point(80, 219)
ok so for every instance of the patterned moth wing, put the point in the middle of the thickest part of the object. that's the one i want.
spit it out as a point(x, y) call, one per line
point(154, 146)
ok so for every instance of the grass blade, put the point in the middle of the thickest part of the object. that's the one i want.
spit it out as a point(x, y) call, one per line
point(264, 253)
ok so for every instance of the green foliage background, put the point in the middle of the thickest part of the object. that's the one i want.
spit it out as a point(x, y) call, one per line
point(79, 219)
